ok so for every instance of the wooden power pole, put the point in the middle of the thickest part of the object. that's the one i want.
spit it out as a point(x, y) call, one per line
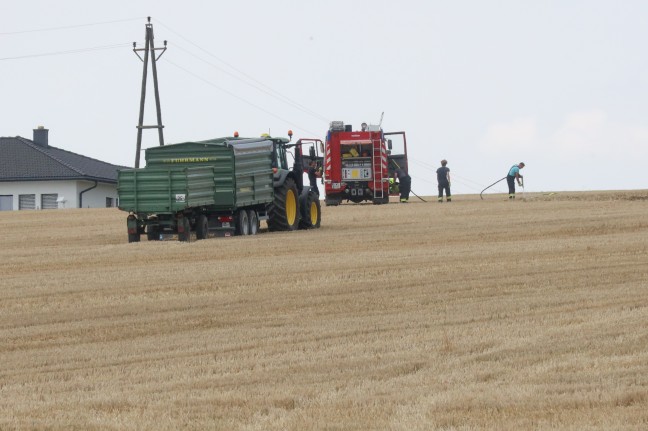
point(148, 48)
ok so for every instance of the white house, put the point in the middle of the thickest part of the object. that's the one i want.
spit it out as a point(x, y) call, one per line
point(34, 175)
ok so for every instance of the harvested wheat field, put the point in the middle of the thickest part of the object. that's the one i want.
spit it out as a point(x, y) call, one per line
point(464, 316)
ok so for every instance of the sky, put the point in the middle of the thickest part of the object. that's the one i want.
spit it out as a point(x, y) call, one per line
point(557, 84)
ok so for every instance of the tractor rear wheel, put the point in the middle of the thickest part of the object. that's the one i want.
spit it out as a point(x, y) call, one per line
point(311, 212)
point(133, 237)
point(283, 213)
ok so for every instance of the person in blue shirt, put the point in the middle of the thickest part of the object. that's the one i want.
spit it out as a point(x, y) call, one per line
point(513, 176)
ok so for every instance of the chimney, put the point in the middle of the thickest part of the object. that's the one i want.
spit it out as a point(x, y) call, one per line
point(40, 136)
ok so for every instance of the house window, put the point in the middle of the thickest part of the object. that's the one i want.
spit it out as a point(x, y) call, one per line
point(49, 201)
point(110, 202)
point(26, 202)
point(6, 202)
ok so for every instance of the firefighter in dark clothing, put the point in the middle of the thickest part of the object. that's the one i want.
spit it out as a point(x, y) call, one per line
point(405, 183)
point(313, 175)
point(443, 178)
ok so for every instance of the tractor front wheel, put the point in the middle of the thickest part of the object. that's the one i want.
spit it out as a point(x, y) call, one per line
point(311, 211)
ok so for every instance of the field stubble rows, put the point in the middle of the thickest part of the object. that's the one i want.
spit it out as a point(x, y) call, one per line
point(471, 315)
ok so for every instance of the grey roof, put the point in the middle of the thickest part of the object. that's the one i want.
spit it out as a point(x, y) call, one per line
point(23, 160)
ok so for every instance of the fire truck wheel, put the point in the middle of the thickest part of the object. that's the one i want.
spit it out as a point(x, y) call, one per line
point(332, 202)
point(380, 201)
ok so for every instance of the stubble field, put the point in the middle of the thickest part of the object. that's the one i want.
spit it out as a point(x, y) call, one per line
point(464, 316)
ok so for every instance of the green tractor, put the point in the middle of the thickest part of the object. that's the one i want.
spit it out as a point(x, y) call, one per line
point(294, 206)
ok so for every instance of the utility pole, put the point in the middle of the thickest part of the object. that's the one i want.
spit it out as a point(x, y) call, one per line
point(148, 48)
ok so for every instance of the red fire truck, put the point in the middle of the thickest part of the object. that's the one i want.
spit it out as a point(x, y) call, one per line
point(359, 164)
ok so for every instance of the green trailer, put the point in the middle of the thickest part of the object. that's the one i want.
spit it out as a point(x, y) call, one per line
point(219, 187)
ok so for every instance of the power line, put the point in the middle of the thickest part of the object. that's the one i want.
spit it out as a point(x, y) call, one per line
point(455, 178)
point(71, 51)
point(68, 27)
point(277, 94)
point(433, 168)
point(235, 96)
point(257, 87)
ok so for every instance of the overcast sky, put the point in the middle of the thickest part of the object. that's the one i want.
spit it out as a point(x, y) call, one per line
point(560, 85)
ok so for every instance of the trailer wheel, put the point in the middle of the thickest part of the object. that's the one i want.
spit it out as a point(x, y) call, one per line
point(242, 223)
point(311, 212)
point(133, 227)
point(186, 225)
point(202, 227)
point(283, 213)
point(254, 222)
point(152, 233)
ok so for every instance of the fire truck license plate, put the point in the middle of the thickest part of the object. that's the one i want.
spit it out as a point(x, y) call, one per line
point(356, 173)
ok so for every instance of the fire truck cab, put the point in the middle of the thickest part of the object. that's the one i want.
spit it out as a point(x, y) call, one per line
point(358, 165)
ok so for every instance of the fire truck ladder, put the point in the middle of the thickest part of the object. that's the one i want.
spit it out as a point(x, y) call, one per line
point(377, 162)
